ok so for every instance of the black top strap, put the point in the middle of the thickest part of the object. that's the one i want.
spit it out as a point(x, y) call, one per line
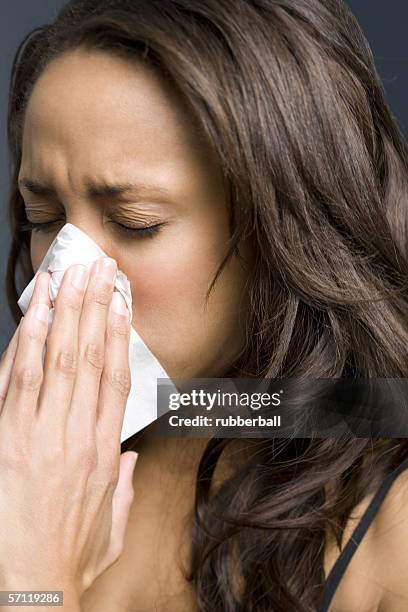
point(346, 554)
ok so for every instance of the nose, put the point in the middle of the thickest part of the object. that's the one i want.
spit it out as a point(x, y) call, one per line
point(92, 224)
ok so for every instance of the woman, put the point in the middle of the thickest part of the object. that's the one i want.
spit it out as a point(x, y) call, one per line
point(239, 163)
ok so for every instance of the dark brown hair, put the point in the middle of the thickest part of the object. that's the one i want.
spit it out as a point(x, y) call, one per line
point(287, 94)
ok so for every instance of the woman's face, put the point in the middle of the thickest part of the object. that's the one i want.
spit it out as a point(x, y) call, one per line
point(97, 120)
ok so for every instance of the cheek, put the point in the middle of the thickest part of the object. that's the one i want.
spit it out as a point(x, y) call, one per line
point(170, 276)
point(174, 271)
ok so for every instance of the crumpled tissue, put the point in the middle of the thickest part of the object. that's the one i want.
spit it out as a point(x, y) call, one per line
point(73, 246)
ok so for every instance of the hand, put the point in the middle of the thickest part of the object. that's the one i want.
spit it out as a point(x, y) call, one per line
point(65, 490)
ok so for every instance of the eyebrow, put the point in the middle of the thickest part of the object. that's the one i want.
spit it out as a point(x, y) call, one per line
point(96, 190)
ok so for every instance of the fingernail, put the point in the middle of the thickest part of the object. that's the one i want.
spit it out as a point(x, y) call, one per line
point(41, 311)
point(119, 304)
point(78, 276)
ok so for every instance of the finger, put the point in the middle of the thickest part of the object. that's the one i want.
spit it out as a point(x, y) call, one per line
point(6, 365)
point(116, 378)
point(91, 352)
point(27, 370)
point(121, 503)
point(61, 360)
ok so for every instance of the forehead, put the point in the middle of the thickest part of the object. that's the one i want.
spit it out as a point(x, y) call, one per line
point(90, 103)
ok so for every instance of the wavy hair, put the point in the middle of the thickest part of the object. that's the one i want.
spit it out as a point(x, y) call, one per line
point(287, 94)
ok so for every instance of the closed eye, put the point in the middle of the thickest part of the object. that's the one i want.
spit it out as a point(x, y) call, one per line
point(149, 230)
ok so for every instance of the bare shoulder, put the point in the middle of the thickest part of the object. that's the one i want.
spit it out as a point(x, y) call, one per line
point(390, 546)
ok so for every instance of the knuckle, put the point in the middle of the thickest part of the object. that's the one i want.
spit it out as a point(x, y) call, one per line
point(95, 355)
point(88, 462)
point(113, 465)
point(86, 455)
point(116, 550)
point(117, 329)
point(28, 378)
point(87, 580)
point(109, 462)
point(67, 363)
point(32, 332)
point(126, 497)
point(101, 295)
point(112, 475)
point(119, 380)
point(71, 301)
point(52, 455)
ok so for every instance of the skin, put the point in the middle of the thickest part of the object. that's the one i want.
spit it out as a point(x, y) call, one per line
point(65, 489)
point(94, 117)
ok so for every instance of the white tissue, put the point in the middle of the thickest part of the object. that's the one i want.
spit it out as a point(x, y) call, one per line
point(72, 246)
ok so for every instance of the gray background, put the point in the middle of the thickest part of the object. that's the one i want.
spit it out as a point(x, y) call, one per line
point(385, 23)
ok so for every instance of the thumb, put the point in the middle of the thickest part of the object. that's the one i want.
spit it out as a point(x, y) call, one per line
point(121, 503)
